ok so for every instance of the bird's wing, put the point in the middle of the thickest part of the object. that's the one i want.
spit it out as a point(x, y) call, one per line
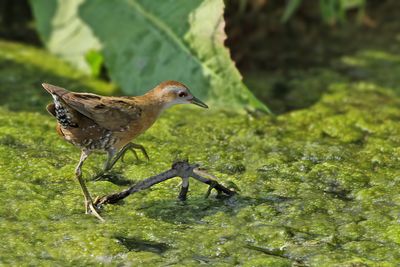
point(112, 113)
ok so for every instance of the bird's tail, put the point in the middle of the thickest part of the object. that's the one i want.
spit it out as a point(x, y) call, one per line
point(64, 114)
point(55, 90)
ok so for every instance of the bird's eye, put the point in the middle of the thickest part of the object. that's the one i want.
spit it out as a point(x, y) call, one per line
point(182, 94)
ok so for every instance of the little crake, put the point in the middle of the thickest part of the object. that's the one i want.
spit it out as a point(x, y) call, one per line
point(93, 122)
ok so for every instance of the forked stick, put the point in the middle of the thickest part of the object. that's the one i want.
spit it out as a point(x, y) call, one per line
point(179, 169)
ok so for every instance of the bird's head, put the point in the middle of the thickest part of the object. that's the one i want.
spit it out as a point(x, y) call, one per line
point(173, 93)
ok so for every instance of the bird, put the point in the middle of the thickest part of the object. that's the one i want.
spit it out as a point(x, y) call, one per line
point(108, 124)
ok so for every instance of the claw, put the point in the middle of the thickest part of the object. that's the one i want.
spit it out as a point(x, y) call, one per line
point(134, 153)
point(132, 148)
point(145, 153)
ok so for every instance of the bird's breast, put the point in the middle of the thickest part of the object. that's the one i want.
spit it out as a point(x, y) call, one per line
point(135, 129)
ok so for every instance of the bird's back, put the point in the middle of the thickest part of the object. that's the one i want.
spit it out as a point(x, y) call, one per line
point(98, 122)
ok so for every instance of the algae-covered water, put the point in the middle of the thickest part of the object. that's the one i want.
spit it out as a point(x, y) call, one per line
point(318, 187)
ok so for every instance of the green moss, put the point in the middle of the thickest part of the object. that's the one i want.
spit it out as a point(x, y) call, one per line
point(318, 187)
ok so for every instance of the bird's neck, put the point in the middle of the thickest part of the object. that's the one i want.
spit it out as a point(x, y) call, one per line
point(152, 104)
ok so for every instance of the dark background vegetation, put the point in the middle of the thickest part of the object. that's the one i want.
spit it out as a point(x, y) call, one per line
point(269, 52)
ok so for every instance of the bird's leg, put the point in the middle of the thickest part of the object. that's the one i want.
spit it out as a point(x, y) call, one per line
point(110, 160)
point(88, 199)
point(110, 155)
point(113, 157)
point(78, 173)
point(142, 149)
point(130, 146)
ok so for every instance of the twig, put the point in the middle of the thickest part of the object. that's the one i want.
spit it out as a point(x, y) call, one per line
point(179, 169)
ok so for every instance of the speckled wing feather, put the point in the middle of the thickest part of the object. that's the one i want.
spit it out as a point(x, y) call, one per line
point(112, 113)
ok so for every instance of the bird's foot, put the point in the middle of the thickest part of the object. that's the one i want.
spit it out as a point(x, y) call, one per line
point(133, 152)
point(132, 147)
point(92, 209)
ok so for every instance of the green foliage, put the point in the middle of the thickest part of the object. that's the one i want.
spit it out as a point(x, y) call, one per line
point(146, 42)
point(44, 17)
point(332, 11)
point(95, 60)
point(63, 32)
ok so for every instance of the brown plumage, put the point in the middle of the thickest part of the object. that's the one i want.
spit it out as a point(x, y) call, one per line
point(108, 123)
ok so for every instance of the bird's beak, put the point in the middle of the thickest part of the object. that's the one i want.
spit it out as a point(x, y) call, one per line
point(198, 102)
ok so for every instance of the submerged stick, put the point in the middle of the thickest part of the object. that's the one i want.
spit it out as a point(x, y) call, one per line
point(179, 169)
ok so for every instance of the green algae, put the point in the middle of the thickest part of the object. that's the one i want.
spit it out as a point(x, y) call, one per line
point(318, 187)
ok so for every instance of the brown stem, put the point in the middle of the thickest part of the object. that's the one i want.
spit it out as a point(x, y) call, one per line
point(146, 183)
point(179, 169)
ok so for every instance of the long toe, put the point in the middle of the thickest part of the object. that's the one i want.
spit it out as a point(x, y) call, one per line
point(133, 152)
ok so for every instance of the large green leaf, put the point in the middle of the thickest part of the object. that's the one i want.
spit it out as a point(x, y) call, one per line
point(63, 32)
point(145, 42)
